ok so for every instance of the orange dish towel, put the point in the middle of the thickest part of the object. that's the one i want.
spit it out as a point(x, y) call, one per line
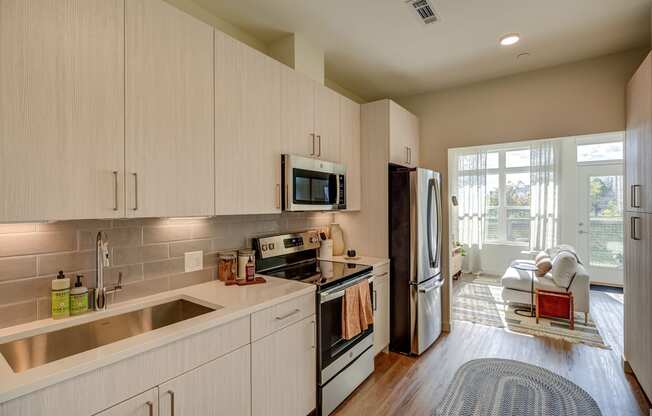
point(357, 312)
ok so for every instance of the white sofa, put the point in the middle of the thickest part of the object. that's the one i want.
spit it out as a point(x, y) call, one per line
point(517, 287)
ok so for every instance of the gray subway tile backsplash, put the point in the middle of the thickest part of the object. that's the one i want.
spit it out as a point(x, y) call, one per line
point(148, 252)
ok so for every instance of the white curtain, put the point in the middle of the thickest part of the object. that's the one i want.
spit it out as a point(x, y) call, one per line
point(545, 175)
point(472, 209)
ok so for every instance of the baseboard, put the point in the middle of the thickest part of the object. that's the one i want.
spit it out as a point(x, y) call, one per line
point(627, 368)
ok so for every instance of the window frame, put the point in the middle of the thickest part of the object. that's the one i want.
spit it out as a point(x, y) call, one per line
point(501, 171)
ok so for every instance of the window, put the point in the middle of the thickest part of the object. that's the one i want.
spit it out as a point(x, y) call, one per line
point(600, 152)
point(507, 193)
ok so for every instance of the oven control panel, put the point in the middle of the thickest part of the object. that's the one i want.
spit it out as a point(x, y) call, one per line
point(278, 245)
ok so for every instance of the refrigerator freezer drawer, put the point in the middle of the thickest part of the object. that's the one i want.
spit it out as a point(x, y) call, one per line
point(428, 315)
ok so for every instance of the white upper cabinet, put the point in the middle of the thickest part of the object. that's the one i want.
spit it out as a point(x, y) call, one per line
point(61, 109)
point(327, 123)
point(297, 113)
point(403, 136)
point(350, 151)
point(169, 112)
point(247, 129)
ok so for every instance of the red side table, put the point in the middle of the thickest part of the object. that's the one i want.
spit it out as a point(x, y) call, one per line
point(555, 305)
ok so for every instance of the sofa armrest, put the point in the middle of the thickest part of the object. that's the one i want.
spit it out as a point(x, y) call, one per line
point(581, 288)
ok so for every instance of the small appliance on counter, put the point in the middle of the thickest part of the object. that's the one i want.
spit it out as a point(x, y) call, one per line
point(342, 364)
point(415, 235)
point(312, 184)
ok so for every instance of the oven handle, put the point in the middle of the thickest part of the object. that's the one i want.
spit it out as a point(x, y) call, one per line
point(339, 291)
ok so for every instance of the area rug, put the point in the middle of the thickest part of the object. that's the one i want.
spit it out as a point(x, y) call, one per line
point(479, 300)
point(496, 387)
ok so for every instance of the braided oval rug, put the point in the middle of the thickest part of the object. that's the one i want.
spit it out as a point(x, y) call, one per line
point(497, 387)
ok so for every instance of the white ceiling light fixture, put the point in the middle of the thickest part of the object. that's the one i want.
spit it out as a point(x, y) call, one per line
point(510, 39)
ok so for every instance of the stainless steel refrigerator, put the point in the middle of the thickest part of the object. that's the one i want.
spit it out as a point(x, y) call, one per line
point(415, 239)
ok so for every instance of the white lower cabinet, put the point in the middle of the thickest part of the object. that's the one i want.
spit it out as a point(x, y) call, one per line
point(220, 387)
point(283, 371)
point(145, 404)
point(381, 311)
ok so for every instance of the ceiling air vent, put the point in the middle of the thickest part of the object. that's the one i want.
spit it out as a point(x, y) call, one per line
point(424, 10)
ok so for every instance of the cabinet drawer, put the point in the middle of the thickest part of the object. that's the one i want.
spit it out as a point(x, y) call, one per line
point(279, 316)
point(381, 271)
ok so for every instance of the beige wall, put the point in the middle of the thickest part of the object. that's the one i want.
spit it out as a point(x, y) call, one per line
point(573, 99)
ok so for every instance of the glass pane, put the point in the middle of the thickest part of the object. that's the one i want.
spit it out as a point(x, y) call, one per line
point(492, 160)
point(517, 158)
point(518, 230)
point(517, 189)
point(600, 151)
point(493, 189)
point(606, 221)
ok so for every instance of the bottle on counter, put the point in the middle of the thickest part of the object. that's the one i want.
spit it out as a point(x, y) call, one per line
point(250, 268)
point(244, 257)
point(78, 298)
point(60, 296)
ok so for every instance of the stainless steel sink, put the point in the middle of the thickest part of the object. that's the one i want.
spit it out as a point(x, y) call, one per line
point(34, 351)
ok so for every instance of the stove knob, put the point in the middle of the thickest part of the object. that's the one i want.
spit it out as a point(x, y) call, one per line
point(314, 240)
point(271, 246)
point(263, 247)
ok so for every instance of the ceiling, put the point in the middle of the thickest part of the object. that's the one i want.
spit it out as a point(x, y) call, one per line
point(379, 48)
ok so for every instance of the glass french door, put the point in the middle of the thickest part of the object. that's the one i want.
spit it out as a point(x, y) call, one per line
point(600, 222)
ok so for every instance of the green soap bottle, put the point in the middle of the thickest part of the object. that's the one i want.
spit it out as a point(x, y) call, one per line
point(60, 296)
point(78, 298)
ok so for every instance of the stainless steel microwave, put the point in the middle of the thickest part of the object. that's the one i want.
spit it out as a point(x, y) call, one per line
point(312, 184)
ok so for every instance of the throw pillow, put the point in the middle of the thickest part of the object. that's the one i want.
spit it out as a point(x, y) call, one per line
point(544, 265)
point(564, 267)
point(541, 255)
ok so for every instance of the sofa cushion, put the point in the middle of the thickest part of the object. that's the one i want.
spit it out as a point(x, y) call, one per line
point(564, 267)
point(520, 280)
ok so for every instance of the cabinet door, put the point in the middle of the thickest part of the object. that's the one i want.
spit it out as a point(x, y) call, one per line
point(381, 312)
point(638, 141)
point(297, 113)
point(169, 112)
point(247, 129)
point(403, 136)
point(221, 387)
point(350, 142)
point(145, 404)
point(284, 371)
point(327, 123)
point(638, 292)
point(61, 109)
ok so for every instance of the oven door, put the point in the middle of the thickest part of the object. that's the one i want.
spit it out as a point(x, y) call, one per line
point(335, 353)
point(312, 184)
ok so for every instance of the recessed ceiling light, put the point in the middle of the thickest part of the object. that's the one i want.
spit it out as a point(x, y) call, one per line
point(510, 39)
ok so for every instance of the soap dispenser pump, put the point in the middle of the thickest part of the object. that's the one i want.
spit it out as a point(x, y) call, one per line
point(60, 296)
point(78, 297)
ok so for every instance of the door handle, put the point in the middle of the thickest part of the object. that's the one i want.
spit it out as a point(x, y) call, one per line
point(287, 315)
point(634, 228)
point(407, 155)
point(171, 393)
point(313, 144)
point(635, 196)
point(135, 208)
point(318, 145)
point(314, 334)
point(115, 190)
point(150, 407)
point(375, 301)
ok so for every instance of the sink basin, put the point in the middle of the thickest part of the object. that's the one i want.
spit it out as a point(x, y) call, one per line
point(23, 354)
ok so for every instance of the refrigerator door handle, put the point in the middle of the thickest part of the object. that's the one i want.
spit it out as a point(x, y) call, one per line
point(439, 225)
point(431, 187)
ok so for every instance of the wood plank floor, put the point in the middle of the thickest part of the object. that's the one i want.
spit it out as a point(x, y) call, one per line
point(414, 386)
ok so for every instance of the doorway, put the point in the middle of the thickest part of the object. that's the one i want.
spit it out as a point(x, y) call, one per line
point(600, 222)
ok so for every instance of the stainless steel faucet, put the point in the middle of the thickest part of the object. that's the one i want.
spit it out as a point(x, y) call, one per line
point(102, 260)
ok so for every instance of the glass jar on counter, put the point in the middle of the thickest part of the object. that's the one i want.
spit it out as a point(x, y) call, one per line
point(227, 265)
point(246, 264)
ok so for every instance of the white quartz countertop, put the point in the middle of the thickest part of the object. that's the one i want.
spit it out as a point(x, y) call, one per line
point(236, 302)
point(364, 260)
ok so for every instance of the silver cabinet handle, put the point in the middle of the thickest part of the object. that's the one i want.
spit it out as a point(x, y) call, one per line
point(634, 228)
point(318, 146)
point(313, 144)
point(410, 155)
point(381, 275)
point(115, 190)
point(287, 315)
point(150, 407)
point(375, 301)
point(314, 334)
point(171, 393)
point(287, 196)
point(407, 155)
point(135, 208)
point(635, 196)
point(278, 196)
